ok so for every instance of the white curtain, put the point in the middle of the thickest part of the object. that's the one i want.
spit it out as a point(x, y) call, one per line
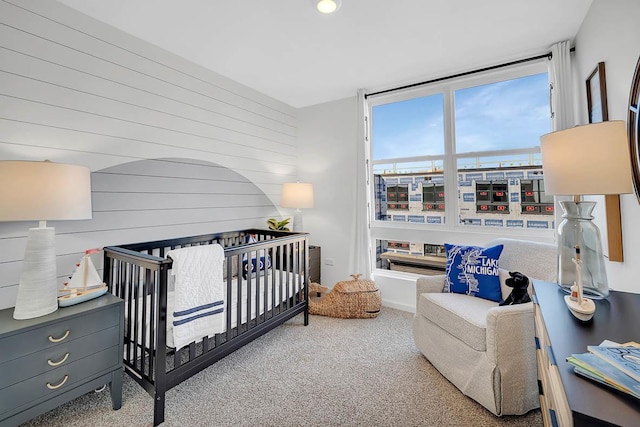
point(560, 76)
point(562, 115)
point(360, 262)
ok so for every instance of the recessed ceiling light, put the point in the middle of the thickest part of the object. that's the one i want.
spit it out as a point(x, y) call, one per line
point(327, 6)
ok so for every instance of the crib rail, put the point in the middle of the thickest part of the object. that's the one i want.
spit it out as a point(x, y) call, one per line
point(138, 273)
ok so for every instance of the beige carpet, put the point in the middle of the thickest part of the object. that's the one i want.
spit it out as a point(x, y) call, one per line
point(360, 372)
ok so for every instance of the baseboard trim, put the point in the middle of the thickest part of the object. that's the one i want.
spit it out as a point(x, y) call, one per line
point(399, 306)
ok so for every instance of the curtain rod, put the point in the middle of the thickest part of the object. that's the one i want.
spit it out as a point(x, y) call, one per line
point(466, 73)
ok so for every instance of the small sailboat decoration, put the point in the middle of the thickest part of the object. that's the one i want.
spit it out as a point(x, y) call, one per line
point(85, 284)
point(580, 306)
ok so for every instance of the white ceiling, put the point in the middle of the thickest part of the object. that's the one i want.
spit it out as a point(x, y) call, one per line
point(287, 50)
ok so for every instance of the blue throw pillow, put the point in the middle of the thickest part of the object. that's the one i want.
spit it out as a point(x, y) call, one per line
point(473, 270)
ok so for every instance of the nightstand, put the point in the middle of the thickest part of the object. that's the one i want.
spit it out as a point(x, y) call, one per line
point(50, 360)
point(314, 263)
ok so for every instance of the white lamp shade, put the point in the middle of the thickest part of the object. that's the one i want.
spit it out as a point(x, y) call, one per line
point(297, 195)
point(589, 159)
point(43, 191)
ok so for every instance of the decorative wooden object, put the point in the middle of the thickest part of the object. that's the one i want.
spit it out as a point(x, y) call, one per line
point(598, 112)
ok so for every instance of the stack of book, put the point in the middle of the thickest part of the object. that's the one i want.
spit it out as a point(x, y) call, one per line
point(614, 365)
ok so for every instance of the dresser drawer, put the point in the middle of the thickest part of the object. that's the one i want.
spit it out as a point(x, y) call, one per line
point(60, 355)
point(553, 401)
point(53, 334)
point(59, 380)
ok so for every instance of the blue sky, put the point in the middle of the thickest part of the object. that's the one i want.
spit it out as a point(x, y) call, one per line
point(503, 115)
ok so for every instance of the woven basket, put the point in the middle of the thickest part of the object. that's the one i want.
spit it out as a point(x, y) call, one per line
point(351, 299)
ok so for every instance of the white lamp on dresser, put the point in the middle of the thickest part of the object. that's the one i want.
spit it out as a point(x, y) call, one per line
point(298, 195)
point(591, 159)
point(41, 191)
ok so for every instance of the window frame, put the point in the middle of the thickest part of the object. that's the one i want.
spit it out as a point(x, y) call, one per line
point(451, 230)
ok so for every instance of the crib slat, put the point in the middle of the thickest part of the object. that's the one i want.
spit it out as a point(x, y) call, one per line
point(287, 279)
point(283, 272)
point(135, 296)
point(228, 302)
point(268, 313)
point(238, 299)
point(192, 350)
point(295, 278)
point(258, 280)
point(177, 359)
point(283, 276)
point(124, 295)
point(248, 292)
point(128, 297)
point(138, 283)
point(300, 278)
point(153, 300)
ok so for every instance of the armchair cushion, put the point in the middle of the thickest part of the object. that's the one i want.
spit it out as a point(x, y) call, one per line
point(462, 316)
point(473, 270)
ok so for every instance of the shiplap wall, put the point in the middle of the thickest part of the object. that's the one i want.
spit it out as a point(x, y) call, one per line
point(174, 149)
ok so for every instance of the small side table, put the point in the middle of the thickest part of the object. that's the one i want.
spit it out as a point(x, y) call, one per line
point(52, 359)
point(314, 263)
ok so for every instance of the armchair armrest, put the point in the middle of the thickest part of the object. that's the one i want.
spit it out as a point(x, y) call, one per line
point(510, 329)
point(511, 348)
point(429, 284)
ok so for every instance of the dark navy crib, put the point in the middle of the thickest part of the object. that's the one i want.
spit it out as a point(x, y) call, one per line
point(139, 274)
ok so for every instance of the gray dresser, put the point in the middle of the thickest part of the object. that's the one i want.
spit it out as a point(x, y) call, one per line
point(49, 360)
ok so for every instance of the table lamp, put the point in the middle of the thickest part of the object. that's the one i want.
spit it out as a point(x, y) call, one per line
point(298, 195)
point(41, 191)
point(585, 160)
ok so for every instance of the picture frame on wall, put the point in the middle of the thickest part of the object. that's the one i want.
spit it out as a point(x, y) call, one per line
point(597, 95)
point(598, 112)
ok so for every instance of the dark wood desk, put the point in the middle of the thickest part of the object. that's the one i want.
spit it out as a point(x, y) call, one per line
point(617, 319)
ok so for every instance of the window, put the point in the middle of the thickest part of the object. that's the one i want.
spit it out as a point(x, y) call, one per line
point(433, 195)
point(460, 155)
point(410, 257)
point(533, 200)
point(409, 128)
point(398, 197)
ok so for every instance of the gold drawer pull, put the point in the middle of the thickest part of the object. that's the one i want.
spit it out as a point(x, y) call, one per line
point(52, 339)
point(53, 387)
point(64, 359)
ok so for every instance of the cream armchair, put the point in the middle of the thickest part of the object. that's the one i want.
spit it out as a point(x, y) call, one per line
point(485, 350)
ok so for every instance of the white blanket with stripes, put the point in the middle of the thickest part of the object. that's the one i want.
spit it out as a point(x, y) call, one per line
point(199, 292)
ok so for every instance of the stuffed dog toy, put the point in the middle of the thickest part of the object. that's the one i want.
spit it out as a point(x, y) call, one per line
point(519, 295)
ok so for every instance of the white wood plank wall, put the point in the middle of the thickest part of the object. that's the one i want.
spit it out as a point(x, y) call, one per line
point(174, 149)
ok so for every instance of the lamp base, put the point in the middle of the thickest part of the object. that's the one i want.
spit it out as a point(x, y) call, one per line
point(297, 221)
point(577, 228)
point(37, 291)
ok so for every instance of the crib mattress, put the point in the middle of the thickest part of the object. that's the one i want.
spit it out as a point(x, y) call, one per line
point(280, 282)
